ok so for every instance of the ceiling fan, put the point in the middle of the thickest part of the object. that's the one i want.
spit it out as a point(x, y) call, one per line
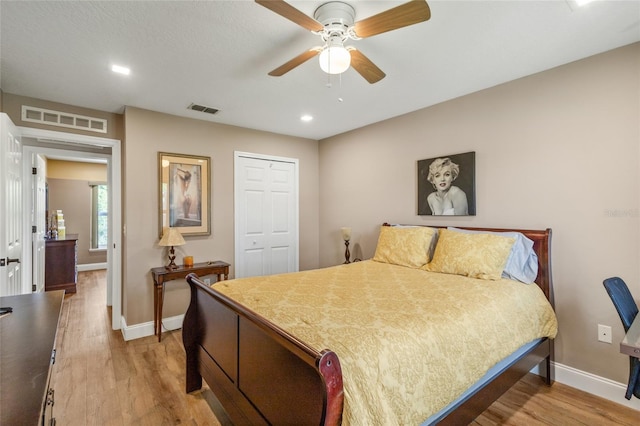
point(334, 23)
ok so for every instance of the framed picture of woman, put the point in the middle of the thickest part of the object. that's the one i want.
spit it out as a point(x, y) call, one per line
point(446, 185)
point(184, 194)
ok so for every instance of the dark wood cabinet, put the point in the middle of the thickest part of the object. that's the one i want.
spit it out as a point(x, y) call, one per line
point(60, 259)
point(27, 354)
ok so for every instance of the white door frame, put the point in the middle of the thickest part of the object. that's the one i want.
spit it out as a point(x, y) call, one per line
point(35, 212)
point(114, 169)
point(237, 243)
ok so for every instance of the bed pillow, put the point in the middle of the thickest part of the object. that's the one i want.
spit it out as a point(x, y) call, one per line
point(481, 256)
point(404, 246)
point(434, 239)
point(522, 264)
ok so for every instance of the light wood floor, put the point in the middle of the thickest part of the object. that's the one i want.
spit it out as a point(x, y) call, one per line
point(100, 379)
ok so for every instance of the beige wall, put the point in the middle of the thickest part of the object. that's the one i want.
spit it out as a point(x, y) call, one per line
point(69, 191)
point(76, 170)
point(149, 132)
point(558, 149)
point(12, 106)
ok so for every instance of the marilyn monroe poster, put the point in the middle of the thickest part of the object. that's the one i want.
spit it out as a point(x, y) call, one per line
point(446, 185)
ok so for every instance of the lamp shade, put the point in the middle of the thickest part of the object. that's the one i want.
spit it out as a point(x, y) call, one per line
point(334, 58)
point(171, 237)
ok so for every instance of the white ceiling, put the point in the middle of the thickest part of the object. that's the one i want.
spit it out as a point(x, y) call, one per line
point(218, 54)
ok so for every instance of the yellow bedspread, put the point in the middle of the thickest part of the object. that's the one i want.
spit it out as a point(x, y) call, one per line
point(409, 341)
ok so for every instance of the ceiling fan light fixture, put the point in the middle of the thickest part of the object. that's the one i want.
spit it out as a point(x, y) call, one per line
point(334, 58)
point(334, 22)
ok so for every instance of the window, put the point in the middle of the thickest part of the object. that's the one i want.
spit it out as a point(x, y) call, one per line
point(99, 215)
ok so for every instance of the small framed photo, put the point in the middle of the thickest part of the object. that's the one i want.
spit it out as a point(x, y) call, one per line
point(184, 193)
point(446, 185)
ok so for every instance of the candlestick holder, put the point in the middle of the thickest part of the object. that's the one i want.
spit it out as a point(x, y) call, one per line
point(346, 236)
point(347, 255)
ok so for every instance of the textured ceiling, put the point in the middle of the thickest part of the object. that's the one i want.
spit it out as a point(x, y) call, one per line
point(218, 53)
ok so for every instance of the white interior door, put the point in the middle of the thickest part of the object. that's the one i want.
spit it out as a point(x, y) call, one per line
point(38, 219)
point(266, 215)
point(10, 208)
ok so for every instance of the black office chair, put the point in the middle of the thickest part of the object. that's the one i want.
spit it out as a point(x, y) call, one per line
point(627, 309)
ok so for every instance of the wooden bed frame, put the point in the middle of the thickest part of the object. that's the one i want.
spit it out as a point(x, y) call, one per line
point(263, 375)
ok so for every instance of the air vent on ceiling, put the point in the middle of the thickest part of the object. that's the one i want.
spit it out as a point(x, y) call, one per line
point(202, 108)
point(63, 119)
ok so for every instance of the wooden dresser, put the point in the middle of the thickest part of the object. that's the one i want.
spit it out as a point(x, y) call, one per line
point(27, 354)
point(60, 264)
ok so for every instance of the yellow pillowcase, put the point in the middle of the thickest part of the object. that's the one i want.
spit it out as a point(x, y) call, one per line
point(404, 246)
point(481, 256)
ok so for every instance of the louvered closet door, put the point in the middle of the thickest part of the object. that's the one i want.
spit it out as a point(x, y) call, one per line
point(266, 206)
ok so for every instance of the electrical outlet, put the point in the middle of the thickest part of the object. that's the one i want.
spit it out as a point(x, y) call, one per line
point(604, 333)
point(207, 281)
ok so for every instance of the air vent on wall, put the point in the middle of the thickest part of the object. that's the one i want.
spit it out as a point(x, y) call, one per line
point(63, 119)
point(202, 108)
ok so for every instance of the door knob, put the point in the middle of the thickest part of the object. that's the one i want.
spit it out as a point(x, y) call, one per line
point(9, 260)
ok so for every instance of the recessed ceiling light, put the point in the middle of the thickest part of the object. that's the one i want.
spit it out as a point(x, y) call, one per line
point(306, 118)
point(120, 69)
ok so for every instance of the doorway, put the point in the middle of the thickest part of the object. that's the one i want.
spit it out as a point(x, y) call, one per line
point(80, 148)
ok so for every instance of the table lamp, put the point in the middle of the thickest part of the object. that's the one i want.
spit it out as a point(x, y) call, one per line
point(170, 238)
point(346, 236)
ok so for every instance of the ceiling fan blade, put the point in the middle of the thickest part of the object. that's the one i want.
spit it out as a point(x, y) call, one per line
point(298, 60)
point(406, 14)
point(285, 10)
point(365, 67)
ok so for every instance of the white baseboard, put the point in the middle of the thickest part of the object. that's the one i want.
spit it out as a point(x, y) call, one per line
point(92, 267)
point(596, 385)
point(146, 328)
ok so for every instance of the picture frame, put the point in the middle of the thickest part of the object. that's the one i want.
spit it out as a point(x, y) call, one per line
point(454, 194)
point(184, 197)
